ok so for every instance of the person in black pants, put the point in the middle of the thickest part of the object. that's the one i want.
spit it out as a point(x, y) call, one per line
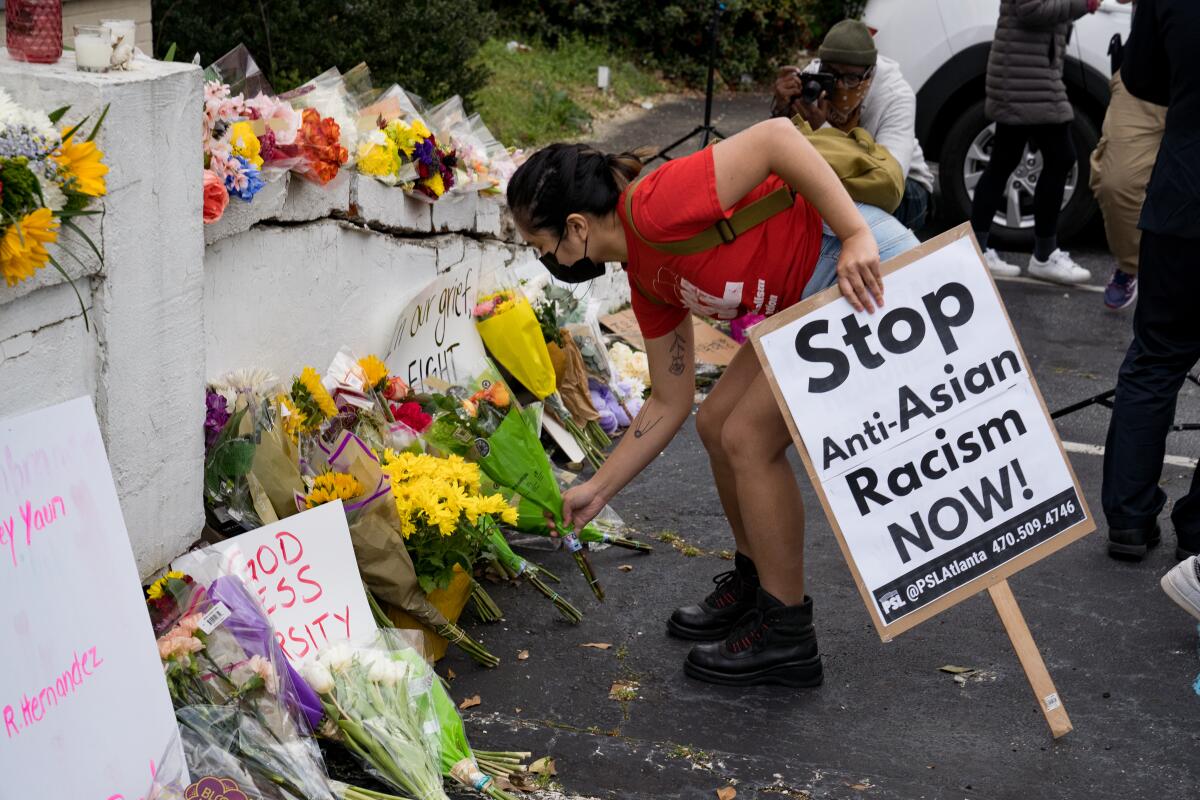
point(1027, 99)
point(1159, 67)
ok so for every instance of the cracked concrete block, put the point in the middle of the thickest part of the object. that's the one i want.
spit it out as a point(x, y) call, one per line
point(455, 213)
point(388, 207)
point(487, 216)
point(308, 201)
point(141, 362)
point(241, 216)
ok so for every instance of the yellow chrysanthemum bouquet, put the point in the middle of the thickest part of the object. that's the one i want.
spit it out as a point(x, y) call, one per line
point(444, 516)
point(47, 179)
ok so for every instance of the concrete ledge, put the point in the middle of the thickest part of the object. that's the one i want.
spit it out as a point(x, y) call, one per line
point(387, 207)
point(455, 213)
point(310, 201)
point(241, 216)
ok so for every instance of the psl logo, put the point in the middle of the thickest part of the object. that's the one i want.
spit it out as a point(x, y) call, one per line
point(892, 601)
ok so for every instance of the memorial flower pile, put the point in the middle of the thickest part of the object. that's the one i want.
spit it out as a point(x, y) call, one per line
point(408, 154)
point(48, 178)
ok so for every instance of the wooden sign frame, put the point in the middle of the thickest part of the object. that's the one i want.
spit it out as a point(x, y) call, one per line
point(995, 580)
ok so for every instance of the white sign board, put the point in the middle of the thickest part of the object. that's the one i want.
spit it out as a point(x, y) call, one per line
point(303, 572)
point(84, 708)
point(925, 433)
point(435, 334)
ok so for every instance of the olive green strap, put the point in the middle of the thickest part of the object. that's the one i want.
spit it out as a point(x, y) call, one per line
point(724, 231)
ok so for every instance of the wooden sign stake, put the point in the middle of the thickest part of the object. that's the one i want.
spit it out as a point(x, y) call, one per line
point(1031, 659)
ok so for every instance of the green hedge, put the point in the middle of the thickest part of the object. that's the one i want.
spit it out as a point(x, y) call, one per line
point(427, 46)
point(756, 36)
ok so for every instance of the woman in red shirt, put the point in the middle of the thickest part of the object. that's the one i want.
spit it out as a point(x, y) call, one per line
point(570, 202)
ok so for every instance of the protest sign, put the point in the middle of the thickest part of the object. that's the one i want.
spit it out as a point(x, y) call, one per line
point(83, 704)
point(925, 435)
point(303, 572)
point(435, 335)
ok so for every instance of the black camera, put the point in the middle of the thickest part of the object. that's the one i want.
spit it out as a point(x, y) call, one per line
point(814, 83)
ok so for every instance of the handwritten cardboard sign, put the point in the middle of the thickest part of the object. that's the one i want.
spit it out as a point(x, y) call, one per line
point(303, 572)
point(435, 334)
point(924, 433)
point(712, 346)
point(84, 708)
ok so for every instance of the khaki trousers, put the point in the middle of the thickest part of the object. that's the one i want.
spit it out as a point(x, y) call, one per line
point(1121, 165)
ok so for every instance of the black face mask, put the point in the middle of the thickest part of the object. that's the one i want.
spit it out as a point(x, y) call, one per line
point(581, 271)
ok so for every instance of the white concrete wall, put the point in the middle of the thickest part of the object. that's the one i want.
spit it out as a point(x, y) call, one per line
point(142, 361)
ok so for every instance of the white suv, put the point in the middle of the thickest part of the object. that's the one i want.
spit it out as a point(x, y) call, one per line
point(942, 47)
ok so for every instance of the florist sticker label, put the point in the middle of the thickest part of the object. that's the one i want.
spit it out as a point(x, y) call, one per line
point(80, 655)
point(435, 335)
point(303, 572)
point(925, 433)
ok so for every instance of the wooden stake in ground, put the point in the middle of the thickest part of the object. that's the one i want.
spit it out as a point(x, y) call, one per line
point(1031, 660)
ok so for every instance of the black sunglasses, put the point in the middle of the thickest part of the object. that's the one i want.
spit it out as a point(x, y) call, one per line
point(850, 80)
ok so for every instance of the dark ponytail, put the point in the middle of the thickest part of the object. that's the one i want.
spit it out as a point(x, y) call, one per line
point(564, 179)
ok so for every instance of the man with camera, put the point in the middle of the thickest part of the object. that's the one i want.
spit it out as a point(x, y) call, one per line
point(850, 85)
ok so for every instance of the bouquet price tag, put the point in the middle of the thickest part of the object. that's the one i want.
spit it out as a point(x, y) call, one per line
point(215, 617)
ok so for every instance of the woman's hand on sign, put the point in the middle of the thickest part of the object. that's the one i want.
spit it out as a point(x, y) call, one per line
point(581, 504)
point(858, 271)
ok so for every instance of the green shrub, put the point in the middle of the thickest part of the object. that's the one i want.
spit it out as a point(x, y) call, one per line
point(427, 46)
point(756, 36)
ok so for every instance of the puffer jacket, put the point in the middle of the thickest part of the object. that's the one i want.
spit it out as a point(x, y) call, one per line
point(1025, 66)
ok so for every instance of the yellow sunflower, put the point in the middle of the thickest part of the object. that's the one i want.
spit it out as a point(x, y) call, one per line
point(23, 248)
point(81, 161)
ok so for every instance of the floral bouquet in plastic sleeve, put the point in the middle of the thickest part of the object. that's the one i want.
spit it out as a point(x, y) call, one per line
point(392, 712)
point(493, 433)
point(513, 335)
point(232, 687)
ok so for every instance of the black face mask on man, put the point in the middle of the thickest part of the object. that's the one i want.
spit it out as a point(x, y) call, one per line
point(581, 271)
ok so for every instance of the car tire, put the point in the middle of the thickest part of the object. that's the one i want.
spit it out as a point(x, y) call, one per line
point(1076, 214)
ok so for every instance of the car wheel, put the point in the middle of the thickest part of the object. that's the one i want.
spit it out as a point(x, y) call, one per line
point(966, 154)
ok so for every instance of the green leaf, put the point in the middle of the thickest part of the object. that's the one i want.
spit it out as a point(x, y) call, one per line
point(69, 225)
point(99, 122)
point(58, 114)
point(67, 134)
point(170, 56)
point(82, 308)
point(234, 458)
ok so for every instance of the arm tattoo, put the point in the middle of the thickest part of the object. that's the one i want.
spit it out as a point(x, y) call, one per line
point(641, 426)
point(676, 352)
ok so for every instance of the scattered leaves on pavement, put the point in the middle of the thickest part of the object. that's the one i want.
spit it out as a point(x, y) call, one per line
point(470, 702)
point(726, 793)
point(596, 645)
point(523, 655)
point(543, 766)
point(623, 691)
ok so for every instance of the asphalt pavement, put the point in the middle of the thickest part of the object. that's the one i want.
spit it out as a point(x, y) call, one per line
point(887, 723)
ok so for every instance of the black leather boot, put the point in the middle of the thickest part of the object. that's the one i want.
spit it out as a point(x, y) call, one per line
point(1132, 544)
point(712, 620)
point(772, 644)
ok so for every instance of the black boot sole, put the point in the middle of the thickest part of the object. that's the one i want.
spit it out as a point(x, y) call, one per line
point(795, 674)
point(698, 634)
point(1131, 552)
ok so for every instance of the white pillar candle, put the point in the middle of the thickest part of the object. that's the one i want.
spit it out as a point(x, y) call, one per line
point(93, 48)
point(126, 28)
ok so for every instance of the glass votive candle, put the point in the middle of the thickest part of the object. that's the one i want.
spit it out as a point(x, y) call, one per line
point(121, 28)
point(93, 48)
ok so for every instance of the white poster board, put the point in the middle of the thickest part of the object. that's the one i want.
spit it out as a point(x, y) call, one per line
point(924, 433)
point(84, 708)
point(435, 334)
point(303, 572)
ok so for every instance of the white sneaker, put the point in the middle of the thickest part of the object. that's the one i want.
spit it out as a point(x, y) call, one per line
point(1182, 584)
point(1058, 268)
point(998, 266)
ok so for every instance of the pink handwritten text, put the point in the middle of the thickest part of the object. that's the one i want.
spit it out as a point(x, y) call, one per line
point(33, 709)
